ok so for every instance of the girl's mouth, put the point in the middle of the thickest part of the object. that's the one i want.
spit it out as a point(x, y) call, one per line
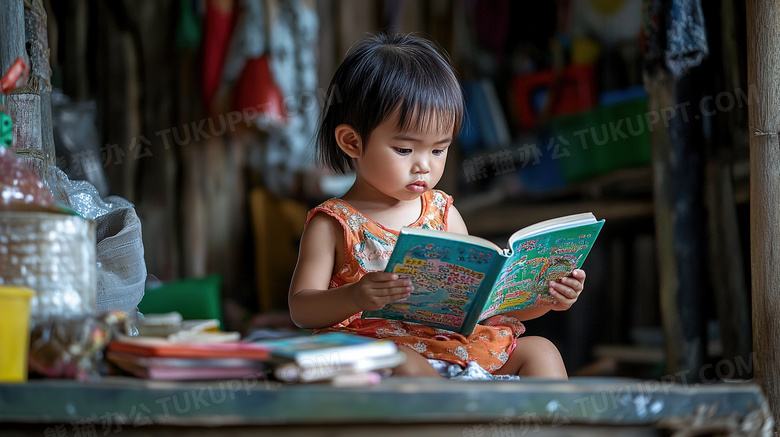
point(417, 187)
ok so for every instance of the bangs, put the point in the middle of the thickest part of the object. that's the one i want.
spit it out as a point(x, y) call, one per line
point(414, 80)
point(429, 118)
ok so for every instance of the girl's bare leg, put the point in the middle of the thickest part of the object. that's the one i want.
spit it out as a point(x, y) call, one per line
point(415, 365)
point(534, 357)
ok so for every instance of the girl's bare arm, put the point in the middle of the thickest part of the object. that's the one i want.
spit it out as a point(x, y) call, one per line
point(312, 305)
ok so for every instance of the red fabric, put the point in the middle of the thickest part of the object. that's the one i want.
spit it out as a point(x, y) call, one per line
point(257, 89)
point(217, 28)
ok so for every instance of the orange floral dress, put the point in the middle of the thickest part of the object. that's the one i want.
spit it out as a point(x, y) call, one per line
point(367, 247)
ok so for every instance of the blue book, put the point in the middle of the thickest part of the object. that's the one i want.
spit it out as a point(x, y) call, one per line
point(460, 280)
point(327, 346)
point(329, 355)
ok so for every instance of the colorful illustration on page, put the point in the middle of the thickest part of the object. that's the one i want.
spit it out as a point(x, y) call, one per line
point(443, 290)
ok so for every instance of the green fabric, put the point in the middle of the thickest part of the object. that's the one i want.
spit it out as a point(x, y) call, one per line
point(188, 31)
point(195, 298)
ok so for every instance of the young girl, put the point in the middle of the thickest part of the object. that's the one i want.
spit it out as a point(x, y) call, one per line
point(394, 108)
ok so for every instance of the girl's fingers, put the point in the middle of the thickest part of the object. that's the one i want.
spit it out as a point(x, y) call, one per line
point(387, 285)
point(383, 277)
point(402, 290)
point(563, 301)
point(564, 290)
point(394, 297)
point(574, 283)
point(403, 286)
point(396, 291)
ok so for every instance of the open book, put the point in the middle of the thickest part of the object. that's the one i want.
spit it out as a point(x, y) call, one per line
point(460, 280)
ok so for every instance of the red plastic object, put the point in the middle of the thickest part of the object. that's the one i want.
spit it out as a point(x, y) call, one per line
point(572, 91)
point(15, 77)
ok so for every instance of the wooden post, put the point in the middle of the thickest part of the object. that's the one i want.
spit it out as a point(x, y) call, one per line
point(39, 82)
point(678, 222)
point(726, 268)
point(763, 33)
point(11, 33)
point(23, 107)
point(23, 34)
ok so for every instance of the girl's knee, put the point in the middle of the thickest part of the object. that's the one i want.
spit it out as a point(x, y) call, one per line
point(415, 365)
point(539, 357)
point(539, 345)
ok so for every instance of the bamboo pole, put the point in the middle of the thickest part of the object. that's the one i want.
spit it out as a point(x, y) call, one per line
point(23, 34)
point(763, 33)
point(22, 106)
point(11, 33)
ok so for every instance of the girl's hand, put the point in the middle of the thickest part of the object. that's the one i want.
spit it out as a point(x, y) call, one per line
point(567, 289)
point(377, 289)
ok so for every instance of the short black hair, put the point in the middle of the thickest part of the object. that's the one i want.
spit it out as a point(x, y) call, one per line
point(380, 75)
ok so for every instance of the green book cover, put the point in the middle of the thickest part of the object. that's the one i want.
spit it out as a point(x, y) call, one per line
point(460, 280)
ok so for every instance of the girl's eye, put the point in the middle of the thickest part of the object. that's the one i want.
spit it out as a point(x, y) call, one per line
point(401, 151)
point(438, 152)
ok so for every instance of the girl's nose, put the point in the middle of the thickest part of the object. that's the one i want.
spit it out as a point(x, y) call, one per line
point(421, 167)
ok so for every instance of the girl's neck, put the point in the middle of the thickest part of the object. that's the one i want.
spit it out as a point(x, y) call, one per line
point(387, 211)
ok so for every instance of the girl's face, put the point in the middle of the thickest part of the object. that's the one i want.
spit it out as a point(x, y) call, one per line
point(403, 164)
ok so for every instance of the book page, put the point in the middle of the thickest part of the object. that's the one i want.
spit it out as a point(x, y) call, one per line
point(551, 225)
point(446, 276)
point(454, 236)
point(525, 278)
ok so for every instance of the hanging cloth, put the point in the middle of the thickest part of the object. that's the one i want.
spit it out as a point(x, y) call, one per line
point(249, 63)
point(674, 35)
point(256, 88)
point(188, 29)
point(217, 29)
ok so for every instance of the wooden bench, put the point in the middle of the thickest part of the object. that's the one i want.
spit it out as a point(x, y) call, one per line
point(397, 406)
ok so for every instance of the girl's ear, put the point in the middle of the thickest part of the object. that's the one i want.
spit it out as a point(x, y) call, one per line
point(349, 140)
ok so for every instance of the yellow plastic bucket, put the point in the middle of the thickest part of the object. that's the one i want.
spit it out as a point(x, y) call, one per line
point(14, 332)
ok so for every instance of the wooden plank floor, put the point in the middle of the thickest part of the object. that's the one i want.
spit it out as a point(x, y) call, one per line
point(253, 405)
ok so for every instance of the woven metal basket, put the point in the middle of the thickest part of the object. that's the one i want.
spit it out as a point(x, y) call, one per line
point(53, 254)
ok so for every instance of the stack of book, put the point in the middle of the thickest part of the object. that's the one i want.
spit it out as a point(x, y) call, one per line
point(160, 358)
point(341, 358)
